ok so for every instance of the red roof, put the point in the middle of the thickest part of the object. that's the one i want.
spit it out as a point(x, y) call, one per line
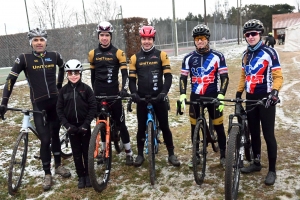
point(285, 20)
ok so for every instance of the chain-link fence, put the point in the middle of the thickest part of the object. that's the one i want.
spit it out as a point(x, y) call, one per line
point(76, 42)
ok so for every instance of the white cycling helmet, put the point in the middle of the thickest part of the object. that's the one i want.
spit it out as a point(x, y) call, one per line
point(105, 26)
point(73, 65)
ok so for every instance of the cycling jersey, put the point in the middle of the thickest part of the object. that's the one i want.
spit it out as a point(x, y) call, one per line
point(205, 71)
point(105, 64)
point(261, 71)
point(40, 73)
point(149, 68)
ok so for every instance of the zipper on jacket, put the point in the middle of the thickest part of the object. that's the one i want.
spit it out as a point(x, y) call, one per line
point(74, 91)
point(45, 77)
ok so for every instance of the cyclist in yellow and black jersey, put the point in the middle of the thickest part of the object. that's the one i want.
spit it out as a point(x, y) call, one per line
point(105, 63)
point(40, 70)
point(149, 66)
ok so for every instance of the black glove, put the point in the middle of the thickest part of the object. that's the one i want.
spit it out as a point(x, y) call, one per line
point(238, 95)
point(83, 129)
point(123, 93)
point(161, 97)
point(3, 109)
point(135, 98)
point(72, 130)
point(273, 99)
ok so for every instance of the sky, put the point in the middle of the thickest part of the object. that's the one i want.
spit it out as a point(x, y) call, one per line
point(13, 17)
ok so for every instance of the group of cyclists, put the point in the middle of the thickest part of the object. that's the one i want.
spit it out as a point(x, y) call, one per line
point(149, 74)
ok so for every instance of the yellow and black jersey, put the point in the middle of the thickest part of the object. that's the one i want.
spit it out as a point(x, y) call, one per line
point(40, 73)
point(149, 68)
point(105, 64)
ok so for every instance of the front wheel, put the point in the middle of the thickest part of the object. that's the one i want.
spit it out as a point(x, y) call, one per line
point(233, 165)
point(17, 163)
point(118, 143)
point(99, 163)
point(199, 153)
point(151, 152)
point(248, 147)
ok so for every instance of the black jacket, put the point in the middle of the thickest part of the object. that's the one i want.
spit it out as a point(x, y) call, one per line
point(76, 104)
point(270, 40)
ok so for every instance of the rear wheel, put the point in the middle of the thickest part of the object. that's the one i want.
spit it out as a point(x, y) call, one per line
point(233, 165)
point(151, 152)
point(17, 163)
point(118, 143)
point(199, 153)
point(65, 143)
point(99, 164)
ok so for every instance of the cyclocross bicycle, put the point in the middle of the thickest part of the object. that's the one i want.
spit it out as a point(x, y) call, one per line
point(203, 135)
point(239, 144)
point(100, 158)
point(20, 150)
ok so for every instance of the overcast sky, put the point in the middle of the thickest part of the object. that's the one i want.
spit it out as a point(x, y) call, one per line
point(13, 13)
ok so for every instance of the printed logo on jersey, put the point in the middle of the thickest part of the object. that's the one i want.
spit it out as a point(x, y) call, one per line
point(254, 75)
point(48, 59)
point(154, 56)
point(35, 61)
point(17, 60)
point(167, 57)
point(109, 53)
point(202, 75)
point(123, 53)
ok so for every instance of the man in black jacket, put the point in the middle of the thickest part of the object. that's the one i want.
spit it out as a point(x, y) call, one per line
point(76, 108)
point(270, 40)
point(39, 67)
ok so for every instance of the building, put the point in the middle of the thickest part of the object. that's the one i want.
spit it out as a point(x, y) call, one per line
point(282, 21)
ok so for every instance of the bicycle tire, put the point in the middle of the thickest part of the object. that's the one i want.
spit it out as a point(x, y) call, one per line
point(66, 150)
point(157, 134)
point(199, 138)
point(18, 158)
point(248, 147)
point(98, 173)
point(232, 168)
point(118, 143)
point(151, 152)
point(213, 136)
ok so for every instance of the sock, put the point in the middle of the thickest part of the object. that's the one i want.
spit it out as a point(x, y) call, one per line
point(128, 149)
point(57, 160)
point(170, 151)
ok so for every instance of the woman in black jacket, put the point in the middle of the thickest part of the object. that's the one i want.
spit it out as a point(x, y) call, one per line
point(76, 108)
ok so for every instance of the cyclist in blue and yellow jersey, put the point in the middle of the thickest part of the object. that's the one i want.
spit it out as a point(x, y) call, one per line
point(261, 77)
point(149, 66)
point(207, 68)
point(39, 67)
point(105, 62)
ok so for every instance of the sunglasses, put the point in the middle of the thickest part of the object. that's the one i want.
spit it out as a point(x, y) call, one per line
point(200, 37)
point(253, 33)
point(76, 73)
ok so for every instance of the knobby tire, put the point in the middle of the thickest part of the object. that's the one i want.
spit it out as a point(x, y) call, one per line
point(99, 173)
point(17, 163)
point(151, 152)
point(118, 143)
point(232, 169)
point(199, 138)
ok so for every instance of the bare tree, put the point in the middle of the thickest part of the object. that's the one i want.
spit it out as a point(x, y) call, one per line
point(50, 14)
point(102, 10)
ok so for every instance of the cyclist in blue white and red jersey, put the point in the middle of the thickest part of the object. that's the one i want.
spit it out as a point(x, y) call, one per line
point(207, 68)
point(261, 77)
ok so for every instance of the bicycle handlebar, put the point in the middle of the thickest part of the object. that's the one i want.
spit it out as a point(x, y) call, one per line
point(113, 97)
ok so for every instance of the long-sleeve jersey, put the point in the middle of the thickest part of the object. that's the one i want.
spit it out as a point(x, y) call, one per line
point(76, 104)
point(149, 68)
point(261, 71)
point(40, 73)
point(205, 72)
point(105, 64)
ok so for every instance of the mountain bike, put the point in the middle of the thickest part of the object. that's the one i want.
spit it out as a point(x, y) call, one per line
point(19, 154)
point(100, 157)
point(203, 135)
point(239, 144)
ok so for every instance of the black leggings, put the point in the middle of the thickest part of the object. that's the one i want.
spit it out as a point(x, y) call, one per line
point(48, 132)
point(161, 112)
point(80, 148)
point(265, 117)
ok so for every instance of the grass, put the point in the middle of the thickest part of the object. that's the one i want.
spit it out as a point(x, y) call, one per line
point(172, 183)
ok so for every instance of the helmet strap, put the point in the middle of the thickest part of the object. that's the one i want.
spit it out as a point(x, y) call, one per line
point(203, 50)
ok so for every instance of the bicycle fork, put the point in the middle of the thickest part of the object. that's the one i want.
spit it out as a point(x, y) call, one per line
point(107, 138)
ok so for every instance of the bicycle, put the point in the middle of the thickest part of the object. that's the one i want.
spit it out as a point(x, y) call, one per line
point(203, 134)
point(20, 150)
point(239, 144)
point(99, 162)
point(152, 135)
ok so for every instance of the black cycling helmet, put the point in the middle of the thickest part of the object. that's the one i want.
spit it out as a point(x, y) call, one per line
point(37, 33)
point(253, 24)
point(201, 29)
